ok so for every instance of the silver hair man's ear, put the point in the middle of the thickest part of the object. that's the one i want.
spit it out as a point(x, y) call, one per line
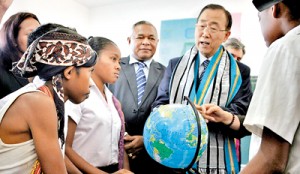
point(264, 4)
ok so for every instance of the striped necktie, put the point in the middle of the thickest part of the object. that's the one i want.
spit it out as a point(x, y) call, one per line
point(140, 80)
point(205, 65)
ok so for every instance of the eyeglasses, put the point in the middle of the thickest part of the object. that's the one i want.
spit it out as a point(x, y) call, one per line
point(210, 29)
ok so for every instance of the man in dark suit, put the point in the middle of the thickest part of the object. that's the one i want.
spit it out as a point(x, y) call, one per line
point(207, 73)
point(143, 43)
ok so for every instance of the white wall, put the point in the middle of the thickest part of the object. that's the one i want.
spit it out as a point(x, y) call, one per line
point(114, 21)
point(66, 12)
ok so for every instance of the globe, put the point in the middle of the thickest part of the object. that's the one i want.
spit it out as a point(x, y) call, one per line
point(172, 134)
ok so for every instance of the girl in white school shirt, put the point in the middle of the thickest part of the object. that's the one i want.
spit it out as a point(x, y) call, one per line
point(95, 141)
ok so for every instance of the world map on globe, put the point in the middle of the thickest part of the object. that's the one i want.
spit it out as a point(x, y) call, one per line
point(171, 135)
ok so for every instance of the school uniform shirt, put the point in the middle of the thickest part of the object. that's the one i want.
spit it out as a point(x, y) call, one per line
point(98, 128)
point(276, 99)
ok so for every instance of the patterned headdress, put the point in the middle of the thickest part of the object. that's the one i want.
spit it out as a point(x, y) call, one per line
point(49, 55)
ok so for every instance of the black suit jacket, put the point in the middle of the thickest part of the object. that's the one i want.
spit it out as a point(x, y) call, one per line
point(125, 89)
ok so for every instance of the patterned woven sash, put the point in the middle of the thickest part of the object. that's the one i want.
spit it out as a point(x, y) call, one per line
point(221, 82)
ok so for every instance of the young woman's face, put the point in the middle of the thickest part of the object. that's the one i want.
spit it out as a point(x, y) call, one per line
point(108, 66)
point(26, 27)
point(77, 88)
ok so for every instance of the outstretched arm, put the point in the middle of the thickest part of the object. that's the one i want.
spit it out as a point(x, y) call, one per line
point(230, 123)
point(272, 155)
point(214, 113)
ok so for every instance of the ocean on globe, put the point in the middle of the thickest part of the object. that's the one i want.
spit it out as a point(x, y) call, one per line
point(171, 135)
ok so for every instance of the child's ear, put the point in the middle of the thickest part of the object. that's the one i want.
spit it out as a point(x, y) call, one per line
point(277, 11)
point(68, 72)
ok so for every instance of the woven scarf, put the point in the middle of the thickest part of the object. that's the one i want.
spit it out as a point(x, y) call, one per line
point(121, 141)
point(221, 81)
point(48, 56)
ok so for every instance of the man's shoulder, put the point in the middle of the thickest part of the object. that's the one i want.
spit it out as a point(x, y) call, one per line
point(124, 60)
point(244, 69)
point(158, 64)
point(174, 60)
point(243, 66)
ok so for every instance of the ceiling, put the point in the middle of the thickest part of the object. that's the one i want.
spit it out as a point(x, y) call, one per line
point(95, 3)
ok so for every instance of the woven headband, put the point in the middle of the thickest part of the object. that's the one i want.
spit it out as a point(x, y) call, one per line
point(48, 56)
point(56, 52)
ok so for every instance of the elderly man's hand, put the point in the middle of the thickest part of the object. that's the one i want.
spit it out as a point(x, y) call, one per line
point(214, 113)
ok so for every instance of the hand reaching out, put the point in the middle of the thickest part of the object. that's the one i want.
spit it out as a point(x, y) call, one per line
point(214, 113)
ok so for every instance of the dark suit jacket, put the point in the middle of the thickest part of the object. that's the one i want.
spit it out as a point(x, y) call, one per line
point(125, 89)
point(9, 82)
point(239, 104)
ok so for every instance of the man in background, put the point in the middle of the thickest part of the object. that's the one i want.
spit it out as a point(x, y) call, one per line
point(235, 47)
point(136, 89)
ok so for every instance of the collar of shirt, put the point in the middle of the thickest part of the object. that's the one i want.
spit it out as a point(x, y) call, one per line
point(106, 90)
point(92, 83)
point(203, 58)
point(133, 61)
point(97, 110)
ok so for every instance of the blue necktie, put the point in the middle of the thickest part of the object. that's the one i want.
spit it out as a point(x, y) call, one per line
point(141, 81)
point(205, 65)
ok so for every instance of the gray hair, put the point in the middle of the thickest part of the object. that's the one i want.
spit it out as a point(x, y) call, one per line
point(235, 43)
point(143, 22)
